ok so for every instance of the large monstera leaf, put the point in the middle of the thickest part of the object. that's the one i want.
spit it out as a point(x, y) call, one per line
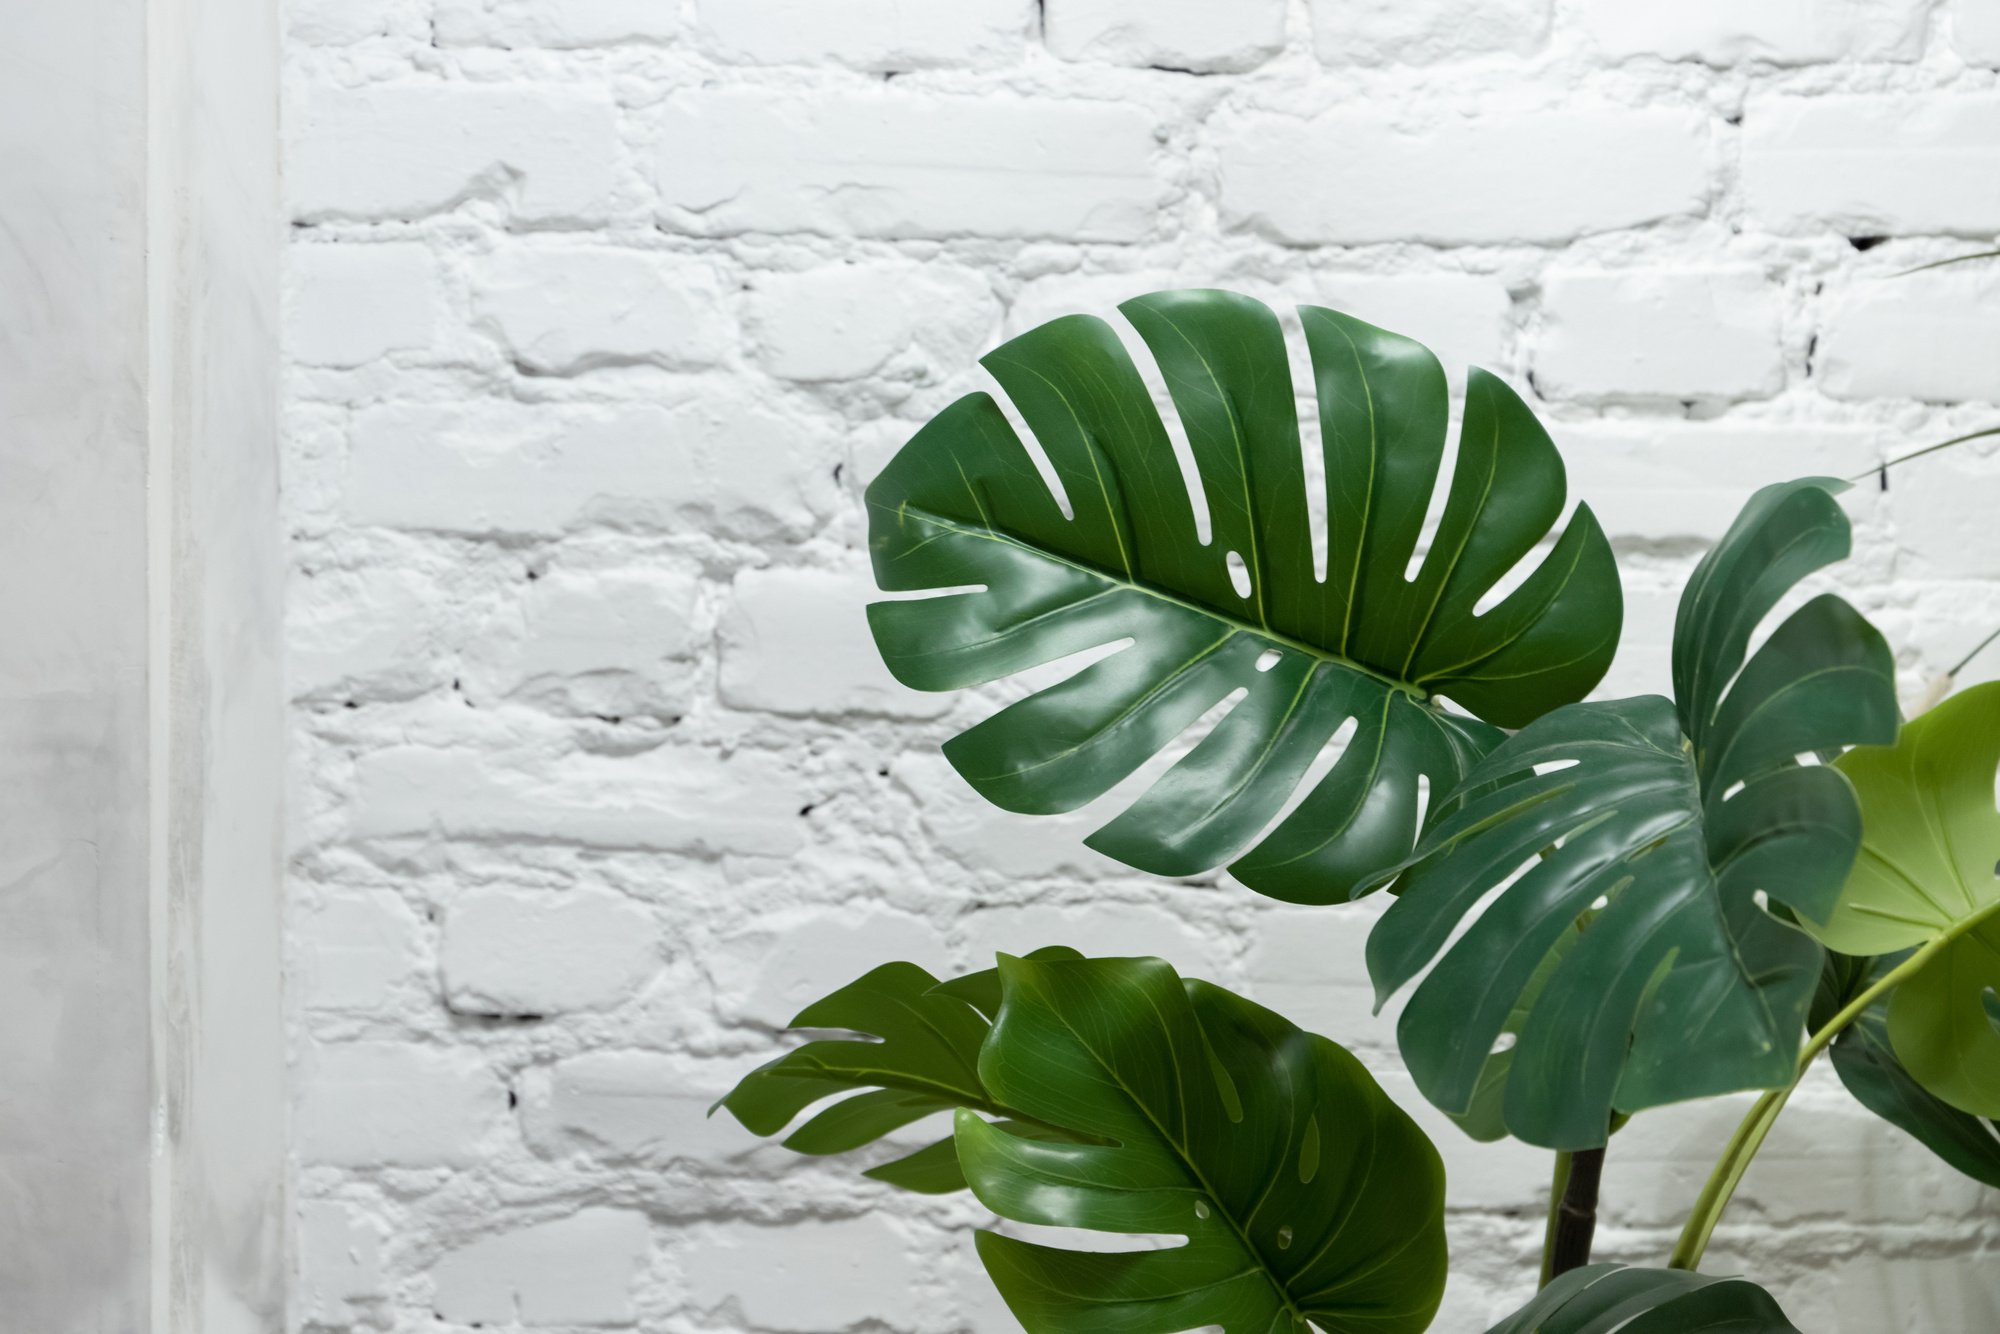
point(1929, 877)
point(1303, 1193)
point(919, 1056)
point(1664, 829)
point(964, 505)
point(1867, 1064)
point(1603, 1299)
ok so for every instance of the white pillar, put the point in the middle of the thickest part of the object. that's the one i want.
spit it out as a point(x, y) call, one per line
point(141, 722)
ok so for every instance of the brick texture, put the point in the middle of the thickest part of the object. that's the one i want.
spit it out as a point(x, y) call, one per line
point(602, 314)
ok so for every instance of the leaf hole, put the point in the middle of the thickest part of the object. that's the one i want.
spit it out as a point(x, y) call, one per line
point(1239, 575)
point(1554, 766)
point(1285, 1237)
point(1163, 403)
point(1600, 903)
point(1762, 900)
point(1503, 1044)
point(1268, 659)
point(1733, 789)
point(1036, 454)
point(1517, 574)
point(1440, 493)
point(1423, 799)
point(1312, 447)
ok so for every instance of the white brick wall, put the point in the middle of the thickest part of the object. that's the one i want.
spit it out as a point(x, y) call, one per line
point(601, 314)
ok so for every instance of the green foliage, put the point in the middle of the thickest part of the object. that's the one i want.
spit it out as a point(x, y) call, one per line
point(1927, 877)
point(1658, 824)
point(1622, 904)
point(964, 505)
point(923, 1059)
point(1867, 1065)
point(1601, 1299)
point(1302, 1191)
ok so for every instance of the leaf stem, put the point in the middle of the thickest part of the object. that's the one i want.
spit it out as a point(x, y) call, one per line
point(1881, 468)
point(1558, 1184)
point(1763, 1114)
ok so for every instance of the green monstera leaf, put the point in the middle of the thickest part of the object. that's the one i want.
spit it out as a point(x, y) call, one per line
point(1663, 829)
point(1929, 877)
point(1601, 1299)
point(920, 1058)
point(1246, 612)
point(1867, 1065)
point(1306, 1197)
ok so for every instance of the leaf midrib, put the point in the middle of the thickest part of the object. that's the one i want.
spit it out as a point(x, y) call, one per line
point(993, 533)
point(1181, 1151)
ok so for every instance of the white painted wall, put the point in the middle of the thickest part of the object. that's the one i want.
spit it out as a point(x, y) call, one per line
point(603, 311)
point(141, 1132)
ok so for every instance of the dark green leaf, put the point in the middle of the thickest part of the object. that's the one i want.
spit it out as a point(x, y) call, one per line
point(1302, 1191)
point(1668, 825)
point(963, 505)
point(1867, 1065)
point(924, 1060)
point(1601, 1299)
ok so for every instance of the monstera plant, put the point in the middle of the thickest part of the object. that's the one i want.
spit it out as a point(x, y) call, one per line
point(1611, 904)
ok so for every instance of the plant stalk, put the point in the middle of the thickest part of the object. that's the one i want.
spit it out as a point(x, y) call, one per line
point(1751, 1131)
point(1572, 1213)
point(1558, 1187)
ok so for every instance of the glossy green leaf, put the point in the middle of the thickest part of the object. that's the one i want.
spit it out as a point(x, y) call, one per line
point(1927, 873)
point(1303, 1192)
point(963, 505)
point(1612, 1299)
point(1668, 825)
point(923, 1060)
point(1867, 1065)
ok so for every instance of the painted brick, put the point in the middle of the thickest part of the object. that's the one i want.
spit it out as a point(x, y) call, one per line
point(597, 643)
point(373, 633)
point(1932, 335)
point(405, 151)
point(350, 304)
point(1723, 33)
point(892, 165)
point(1661, 481)
point(1874, 164)
point(795, 641)
point(1387, 32)
point(343, 22)
point(632, 1104)
point(671, 799)
point(394, 1104)
point(339, 1261)
point(784, 963)
point(1356, 176)
point(588, 301)
point(1660, 333)
point(1105, 928)
point(807, 1278)
point(512, 953)
point(857, 320)
point(866, 34)
point(558, 24)
point(360, 952)
point(1175, 34)
point(1976, 31)
point(721, 463)
point(578, 1270)
point(560, 311)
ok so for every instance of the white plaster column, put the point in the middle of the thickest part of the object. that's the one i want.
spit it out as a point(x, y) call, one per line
point(141, 727)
